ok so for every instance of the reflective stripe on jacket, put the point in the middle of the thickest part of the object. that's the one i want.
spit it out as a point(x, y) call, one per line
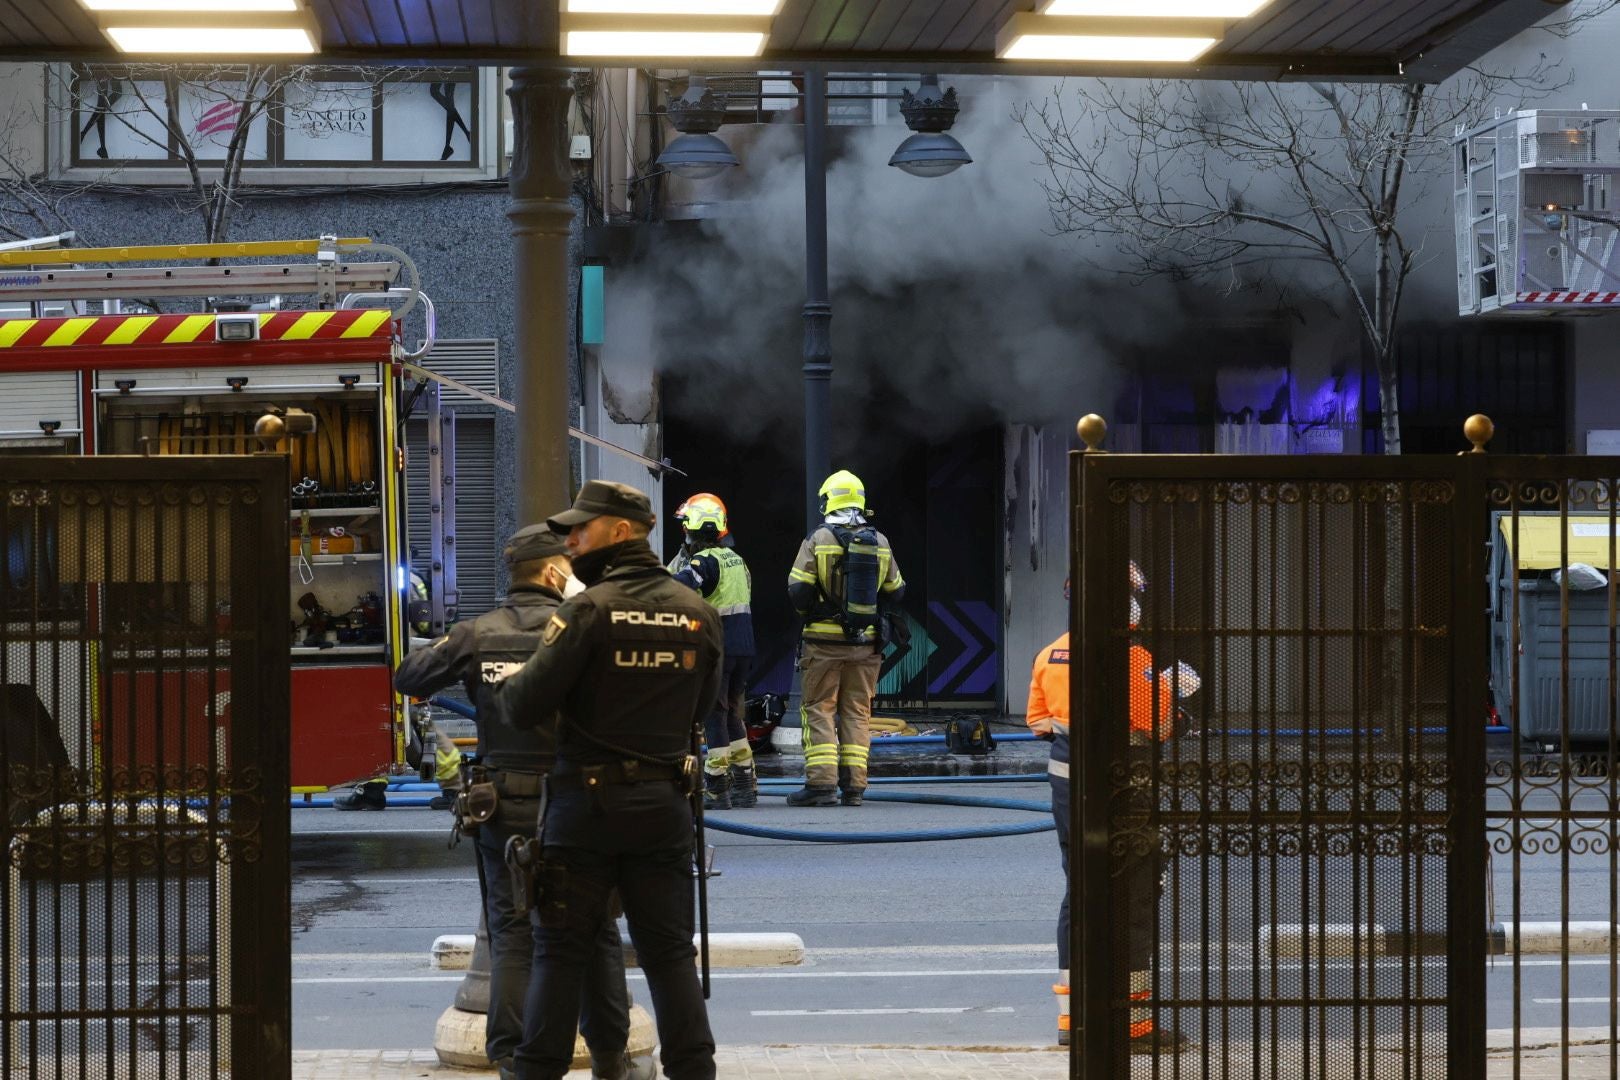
point(816, 586)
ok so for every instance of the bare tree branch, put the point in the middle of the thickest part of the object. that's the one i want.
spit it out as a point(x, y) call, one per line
point(1216, 180)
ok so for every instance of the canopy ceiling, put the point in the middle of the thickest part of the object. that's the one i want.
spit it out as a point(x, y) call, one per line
point(1351, 39)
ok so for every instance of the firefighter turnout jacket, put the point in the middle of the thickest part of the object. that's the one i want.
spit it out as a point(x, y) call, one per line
point(632, 664)
point(480, 654)
point(816, 587)
point(721, 577)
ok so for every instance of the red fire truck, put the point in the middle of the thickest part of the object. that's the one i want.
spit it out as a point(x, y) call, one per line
point(85, 369)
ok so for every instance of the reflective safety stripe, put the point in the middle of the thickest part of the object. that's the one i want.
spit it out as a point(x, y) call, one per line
point(734, 609)
point(1058, 768)
point(849, 754)
point(1141, 1007)
point(805, 576)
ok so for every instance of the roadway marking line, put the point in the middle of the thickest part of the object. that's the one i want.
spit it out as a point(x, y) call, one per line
point(361, 879)
point(1043, 972)
point(930, 950)
point(378, 979)
point(1573, 1001)
point(371, 833)
point(879, 1012)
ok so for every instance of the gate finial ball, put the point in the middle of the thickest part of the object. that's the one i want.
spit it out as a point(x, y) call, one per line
point(1091, 429)
point(1478, 429)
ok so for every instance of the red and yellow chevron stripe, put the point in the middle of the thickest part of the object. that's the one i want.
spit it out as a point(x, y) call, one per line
point(188, 329)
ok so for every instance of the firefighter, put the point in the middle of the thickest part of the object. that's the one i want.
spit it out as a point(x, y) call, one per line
point(843, 584)
point(1048, 717)
point(709, 563)
point(627, 671)
point(510, 767)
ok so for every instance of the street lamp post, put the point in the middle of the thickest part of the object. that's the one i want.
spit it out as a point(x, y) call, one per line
point(698, 153)
point(817, 304)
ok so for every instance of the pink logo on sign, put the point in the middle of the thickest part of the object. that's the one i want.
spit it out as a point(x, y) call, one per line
point(218, 119)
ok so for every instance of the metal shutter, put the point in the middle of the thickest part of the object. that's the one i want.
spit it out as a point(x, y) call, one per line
point(468, 360)
point(30, 397)
point(477, 547)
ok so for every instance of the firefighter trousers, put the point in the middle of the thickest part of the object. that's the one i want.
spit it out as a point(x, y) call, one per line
point(724, 729)
point(837, 684)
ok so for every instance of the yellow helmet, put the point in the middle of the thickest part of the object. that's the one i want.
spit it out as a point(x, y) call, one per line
point(842, 490)
point(701, 511)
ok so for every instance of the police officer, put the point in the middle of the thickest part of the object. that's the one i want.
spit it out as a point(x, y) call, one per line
point(708, 562)
point(511, 765)
point(628, 669)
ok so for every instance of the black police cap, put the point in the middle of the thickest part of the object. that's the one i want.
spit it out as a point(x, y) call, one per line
point(604, 498)
point(535, 542)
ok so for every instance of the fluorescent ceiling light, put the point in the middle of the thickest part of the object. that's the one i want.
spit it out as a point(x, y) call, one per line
point(660, 43)
point(1107, 40)
point(212, 40)
point(766, 8)
point(1106, 49)
point(214, 7)
point(1156, 9)
point(201, 33)
point(663, 35)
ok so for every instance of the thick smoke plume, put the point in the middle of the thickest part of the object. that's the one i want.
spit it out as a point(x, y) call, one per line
point(953, 302)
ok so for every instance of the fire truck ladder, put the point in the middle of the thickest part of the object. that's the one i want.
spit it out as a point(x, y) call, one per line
point(58, 274)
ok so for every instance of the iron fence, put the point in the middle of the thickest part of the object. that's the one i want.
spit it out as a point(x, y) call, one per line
point(1307, 846)
point(144, 904)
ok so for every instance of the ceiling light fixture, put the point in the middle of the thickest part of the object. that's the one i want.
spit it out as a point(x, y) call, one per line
point(1026, 36)
point(620, 35)
point(1155, 9)
point(203, 33)
point(765, 8)
point(213, 7)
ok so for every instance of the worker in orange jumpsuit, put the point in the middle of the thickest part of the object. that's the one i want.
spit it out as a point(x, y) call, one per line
point(1048, 717)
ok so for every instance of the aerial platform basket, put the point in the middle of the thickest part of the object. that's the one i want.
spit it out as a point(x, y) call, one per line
point(1538, 213)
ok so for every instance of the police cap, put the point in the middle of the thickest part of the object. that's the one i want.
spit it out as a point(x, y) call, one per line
point(599, 498)
point(535, 542)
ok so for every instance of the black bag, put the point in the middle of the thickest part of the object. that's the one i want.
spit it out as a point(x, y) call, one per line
point(969, 735)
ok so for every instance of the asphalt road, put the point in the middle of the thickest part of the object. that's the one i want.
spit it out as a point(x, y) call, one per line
point(941, 943)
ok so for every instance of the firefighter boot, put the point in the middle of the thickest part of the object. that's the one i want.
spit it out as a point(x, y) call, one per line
point(852, 795)
point(371, 795)
point(716, 791)
point(744, 787)
point(814, 796)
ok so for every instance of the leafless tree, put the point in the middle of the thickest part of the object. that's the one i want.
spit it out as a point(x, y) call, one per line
point(1233, 182)
point(29, 205)
point(147, 102)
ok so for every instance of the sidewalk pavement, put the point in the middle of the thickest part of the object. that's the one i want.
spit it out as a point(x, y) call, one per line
point(1538, 1061)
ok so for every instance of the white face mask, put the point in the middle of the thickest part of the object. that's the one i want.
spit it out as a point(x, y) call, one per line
point(572, 587)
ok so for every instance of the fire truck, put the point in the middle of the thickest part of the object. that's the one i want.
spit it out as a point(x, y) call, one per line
point(138, 356)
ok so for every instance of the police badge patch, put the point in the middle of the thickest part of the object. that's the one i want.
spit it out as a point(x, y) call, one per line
point(554, 630)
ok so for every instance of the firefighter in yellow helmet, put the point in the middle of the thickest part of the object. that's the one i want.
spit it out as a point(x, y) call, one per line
point(843, 584)
point(708, 562)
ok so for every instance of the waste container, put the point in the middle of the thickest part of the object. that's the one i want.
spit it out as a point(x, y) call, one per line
point(1540, 651)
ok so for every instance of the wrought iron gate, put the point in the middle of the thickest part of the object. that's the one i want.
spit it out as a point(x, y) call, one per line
point(1303, 837)
point(144, 903)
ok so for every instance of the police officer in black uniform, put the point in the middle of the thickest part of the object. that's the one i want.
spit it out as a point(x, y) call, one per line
point(479, 654)
point(631, 666)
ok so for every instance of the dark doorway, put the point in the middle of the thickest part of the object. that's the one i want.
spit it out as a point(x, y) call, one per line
point(937, 500)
